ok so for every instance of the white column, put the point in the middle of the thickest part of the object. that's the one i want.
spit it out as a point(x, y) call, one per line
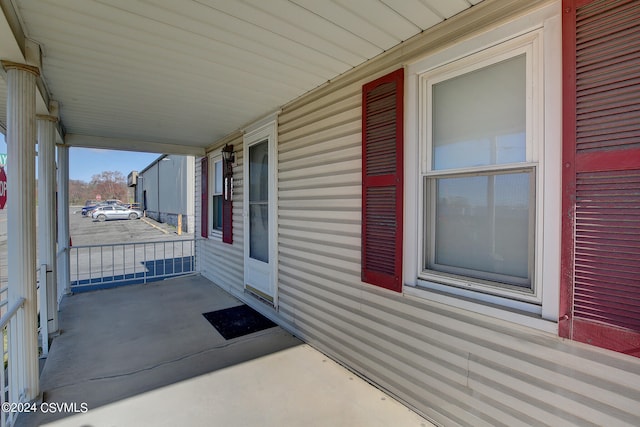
point(21, 226)
point(64, 276)
point(47, 217)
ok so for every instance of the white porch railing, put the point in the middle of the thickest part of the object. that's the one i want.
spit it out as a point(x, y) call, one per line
point(109, 265)
point(4, 294)
point(8, 326)
point(62, 260)
point(43, 313)
point(7, 382)
point(4, 289)
point(92, 267)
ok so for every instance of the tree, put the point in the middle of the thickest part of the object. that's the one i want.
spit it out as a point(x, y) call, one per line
point(79, 192)
point(109, 185)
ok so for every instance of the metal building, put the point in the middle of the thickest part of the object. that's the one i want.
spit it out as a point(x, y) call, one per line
point(165, 190)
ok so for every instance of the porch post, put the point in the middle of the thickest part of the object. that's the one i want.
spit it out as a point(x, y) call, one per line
point(64, 276)
point(21, 227)
point(47, 218)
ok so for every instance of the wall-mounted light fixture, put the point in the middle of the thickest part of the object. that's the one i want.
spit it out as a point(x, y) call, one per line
point(228, 154)
point(229, 157)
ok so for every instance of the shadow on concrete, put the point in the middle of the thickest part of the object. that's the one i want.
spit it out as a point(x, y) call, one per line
point(128, 341)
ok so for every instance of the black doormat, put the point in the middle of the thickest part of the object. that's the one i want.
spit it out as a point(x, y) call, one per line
point(238, 321)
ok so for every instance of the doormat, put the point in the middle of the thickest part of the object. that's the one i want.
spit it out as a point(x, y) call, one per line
point(238, 321)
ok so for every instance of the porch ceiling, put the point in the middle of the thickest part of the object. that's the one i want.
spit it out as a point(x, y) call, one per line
point(187, 72)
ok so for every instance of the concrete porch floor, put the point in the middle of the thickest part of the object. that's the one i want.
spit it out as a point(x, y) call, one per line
point(144, 355)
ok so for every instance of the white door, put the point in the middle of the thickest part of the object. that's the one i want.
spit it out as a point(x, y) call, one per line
point(259, 213)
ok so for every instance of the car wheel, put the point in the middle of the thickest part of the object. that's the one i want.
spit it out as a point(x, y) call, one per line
point(133, 215)
point(102, 218)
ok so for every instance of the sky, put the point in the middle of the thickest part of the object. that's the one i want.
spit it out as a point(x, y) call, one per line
point(86, 162)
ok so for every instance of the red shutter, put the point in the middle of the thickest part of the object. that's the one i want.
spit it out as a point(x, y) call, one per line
point(204, 197)
point(227, 203)
point(600, 293)
point(382, 178)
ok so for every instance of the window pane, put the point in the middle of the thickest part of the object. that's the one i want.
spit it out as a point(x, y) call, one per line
point(259, 172)
point(479, 118)
point(259, 201)
point(217, 212)
point(482, 227)
point(218, 177)
point(259, 229)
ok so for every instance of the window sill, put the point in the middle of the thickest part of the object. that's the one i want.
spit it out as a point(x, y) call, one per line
point(509, 314)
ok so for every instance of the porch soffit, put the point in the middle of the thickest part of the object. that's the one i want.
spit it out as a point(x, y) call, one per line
point(184, 73)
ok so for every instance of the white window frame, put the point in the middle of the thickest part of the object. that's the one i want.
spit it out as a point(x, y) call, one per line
point(214, 157)
point(539, 36)
point(529, 45)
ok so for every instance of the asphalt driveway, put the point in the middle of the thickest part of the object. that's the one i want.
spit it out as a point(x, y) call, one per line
point(86, 231)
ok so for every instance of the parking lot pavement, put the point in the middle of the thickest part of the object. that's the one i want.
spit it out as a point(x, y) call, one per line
point(86, 231)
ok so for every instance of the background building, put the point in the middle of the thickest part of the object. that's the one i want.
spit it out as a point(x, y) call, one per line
point(165, 190)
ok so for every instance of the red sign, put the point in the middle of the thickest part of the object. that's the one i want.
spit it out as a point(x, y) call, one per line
point(3, 188)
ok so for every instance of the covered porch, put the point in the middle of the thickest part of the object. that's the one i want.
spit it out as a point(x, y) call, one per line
point(145, 355)
point(273, 99)
point(165, 77)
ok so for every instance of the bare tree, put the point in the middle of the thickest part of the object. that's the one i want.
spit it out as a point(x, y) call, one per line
point(110, 185)
point(107, 184)
point(79, 192)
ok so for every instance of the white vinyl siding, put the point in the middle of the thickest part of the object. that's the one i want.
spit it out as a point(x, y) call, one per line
point(455, 366)
point(217, 261)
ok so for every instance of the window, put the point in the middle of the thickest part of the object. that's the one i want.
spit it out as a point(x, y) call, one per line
point(204, 196)
point(258, 201)
point(479, 172)
point(482, 173)
point(479, 175)
point(217, 200)
point(481, 226)
point(216, 197)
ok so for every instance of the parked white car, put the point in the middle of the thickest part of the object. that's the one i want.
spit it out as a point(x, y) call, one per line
point(103, 213)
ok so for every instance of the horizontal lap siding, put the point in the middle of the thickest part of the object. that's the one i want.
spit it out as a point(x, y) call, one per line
point(220, 262)
point(319, 199)
point(473, 372)
point(456, 367)
point(453, 366)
